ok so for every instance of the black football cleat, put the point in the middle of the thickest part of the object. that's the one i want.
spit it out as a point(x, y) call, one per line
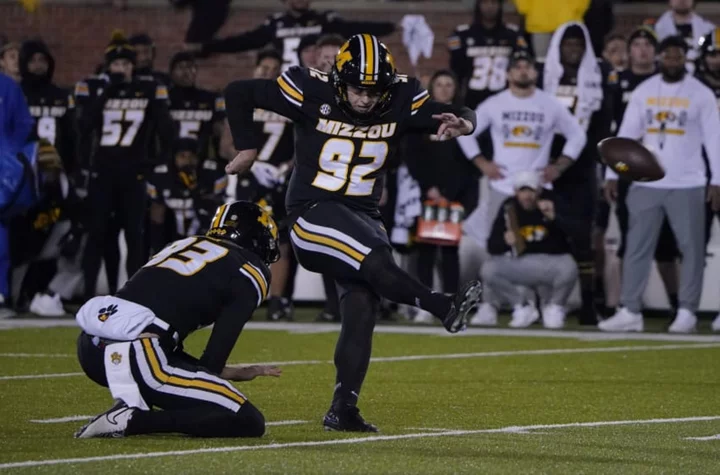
point(466, 300)
point(347, 419)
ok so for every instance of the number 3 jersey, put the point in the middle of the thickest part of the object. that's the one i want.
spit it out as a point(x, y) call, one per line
point(335, 159)
point(121, 124)
point(199, 281)
point(479, 57)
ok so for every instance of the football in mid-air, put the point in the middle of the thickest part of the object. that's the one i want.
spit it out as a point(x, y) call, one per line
point(630, 159)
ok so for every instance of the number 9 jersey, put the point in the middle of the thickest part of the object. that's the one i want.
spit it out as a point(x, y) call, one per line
point(336, 158)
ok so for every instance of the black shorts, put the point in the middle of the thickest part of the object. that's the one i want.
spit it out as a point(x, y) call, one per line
point(166, 380)
point(330, 238)
point(248, 189)
point(666, 250)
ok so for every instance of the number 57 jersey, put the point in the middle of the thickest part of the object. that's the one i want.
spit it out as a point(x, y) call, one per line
point(336, 158)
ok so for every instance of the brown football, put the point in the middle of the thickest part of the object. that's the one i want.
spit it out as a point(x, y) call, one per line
point(630, 159)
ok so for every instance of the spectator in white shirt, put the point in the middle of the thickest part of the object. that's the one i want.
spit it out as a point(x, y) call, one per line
point(674, 115)
point(523, 121)
point(681, 20)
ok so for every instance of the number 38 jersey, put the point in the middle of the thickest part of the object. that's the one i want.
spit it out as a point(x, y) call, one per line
point(198, 281)
point(335, 158)
point(479, 58)
point(119, 122)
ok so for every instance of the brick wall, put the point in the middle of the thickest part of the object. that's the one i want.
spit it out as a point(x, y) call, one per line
point(77, 36)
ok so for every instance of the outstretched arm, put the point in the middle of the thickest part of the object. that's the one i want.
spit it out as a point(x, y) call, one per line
point(284, 96)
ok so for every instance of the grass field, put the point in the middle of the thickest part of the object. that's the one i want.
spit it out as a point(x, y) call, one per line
point(484, 402)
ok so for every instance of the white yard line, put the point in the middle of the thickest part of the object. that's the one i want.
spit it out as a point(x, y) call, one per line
point(356, 440)
point(452, 356)
point(312, 327)
point(36, 355)
point(60, 420)
point(40, 376)
point(712, 437)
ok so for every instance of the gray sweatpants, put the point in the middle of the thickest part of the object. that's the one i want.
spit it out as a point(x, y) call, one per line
point(685, 210)
point(479, 224)
point(553, 276)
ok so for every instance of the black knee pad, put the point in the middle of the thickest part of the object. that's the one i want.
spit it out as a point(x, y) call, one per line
point(251, 420)
point(92, 359)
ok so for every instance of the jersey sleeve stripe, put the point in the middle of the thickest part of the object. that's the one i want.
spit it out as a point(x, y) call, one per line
point(220, 185)
point(290, 87)
point(151, 191)
point(257, 279)
point(220, 104)
point(417, 104)
point(82, 89)
point(420, 96)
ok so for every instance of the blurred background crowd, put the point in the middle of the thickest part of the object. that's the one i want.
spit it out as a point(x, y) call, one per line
point(131, 154)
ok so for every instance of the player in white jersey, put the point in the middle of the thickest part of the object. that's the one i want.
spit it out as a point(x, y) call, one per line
point(523, 121)
point(674, 115)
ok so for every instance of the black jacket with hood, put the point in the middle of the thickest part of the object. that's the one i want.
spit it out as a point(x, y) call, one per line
point(51, 106)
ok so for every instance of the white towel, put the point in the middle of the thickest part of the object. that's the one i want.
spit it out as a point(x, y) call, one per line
point(665, 27)
point(418, 37)
point(589, 81)
point(407, 206)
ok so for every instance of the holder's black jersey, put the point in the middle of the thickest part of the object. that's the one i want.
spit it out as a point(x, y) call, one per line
point(200, 281)
point(335, 159)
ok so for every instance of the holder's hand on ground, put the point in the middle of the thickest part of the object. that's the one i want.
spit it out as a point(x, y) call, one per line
point(248, 373)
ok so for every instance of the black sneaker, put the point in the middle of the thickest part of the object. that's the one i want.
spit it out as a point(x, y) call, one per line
point(466, 300)
point(347, 419)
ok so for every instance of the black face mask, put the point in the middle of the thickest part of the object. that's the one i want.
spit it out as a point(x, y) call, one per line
point(116, 78)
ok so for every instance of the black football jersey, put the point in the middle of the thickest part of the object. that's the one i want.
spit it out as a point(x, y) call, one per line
point(121, 124)
point(278, 145)
point(479, 58)
point(622, 84)
point(200, 281)
point(597, 126)
point(284, 31)
point(335, 159)
point(194, 113)
point(52, 107)
point(191, 203)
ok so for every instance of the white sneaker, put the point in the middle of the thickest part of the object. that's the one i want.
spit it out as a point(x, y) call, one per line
point(523, 316)
point(44, 305)
point(553, 316)
point(111, 423)
point(716, 324)
point(623, 321)
point(486, 315)
point(5, 311)
point(685, 322)
point(424, 317)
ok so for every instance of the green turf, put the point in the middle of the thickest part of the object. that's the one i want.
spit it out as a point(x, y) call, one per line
point(402, 397)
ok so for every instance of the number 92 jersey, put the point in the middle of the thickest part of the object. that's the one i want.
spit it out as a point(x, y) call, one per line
point(190, 282)
point(335, 159)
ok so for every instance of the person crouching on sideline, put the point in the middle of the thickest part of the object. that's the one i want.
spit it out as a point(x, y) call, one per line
point(528, 248)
